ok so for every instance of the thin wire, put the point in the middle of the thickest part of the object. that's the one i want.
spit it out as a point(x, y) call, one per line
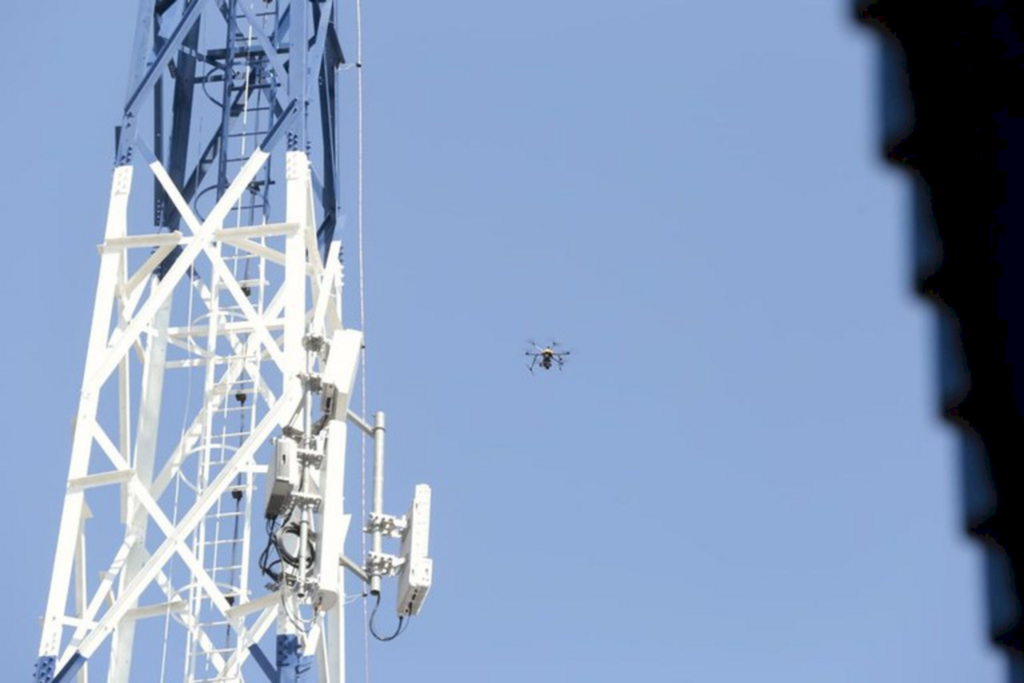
point(362, 311)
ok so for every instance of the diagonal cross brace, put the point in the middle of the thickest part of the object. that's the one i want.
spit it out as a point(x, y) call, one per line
point(225, 274)
point(278, 414)
point(113, 354)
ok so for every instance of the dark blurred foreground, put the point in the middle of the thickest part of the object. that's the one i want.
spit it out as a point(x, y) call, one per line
point(953, 115)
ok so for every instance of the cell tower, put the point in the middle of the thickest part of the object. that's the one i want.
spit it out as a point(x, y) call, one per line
point(208, 455)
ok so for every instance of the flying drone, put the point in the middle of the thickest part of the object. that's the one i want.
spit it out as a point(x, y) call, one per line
point(547, 356)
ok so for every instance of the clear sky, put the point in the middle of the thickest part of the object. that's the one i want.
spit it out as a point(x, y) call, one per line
point(739, 476)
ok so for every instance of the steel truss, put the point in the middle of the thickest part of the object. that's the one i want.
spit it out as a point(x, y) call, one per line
point(217, 316)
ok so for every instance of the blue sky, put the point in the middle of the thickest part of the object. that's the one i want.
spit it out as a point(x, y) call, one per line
point(740, 473)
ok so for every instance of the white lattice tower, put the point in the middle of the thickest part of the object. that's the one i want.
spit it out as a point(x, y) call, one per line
point(219, 372)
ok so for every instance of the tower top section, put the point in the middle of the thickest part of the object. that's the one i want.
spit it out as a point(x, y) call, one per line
point(213, 80)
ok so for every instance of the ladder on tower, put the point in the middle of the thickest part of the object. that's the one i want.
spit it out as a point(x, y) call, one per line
point(222, 541)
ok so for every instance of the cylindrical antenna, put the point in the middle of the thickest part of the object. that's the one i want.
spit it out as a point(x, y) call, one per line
point(378, 494)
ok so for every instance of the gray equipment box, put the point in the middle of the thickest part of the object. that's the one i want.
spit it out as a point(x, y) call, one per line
point(282, 476)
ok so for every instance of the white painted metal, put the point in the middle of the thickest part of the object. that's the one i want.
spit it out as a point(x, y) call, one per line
point(155, 358)
point(82, 441)
point(377, 510)
point(192, 565)
point(416, 575)
point(338, 377)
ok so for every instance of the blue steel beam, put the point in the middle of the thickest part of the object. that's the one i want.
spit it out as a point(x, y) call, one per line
point(272, 56)
point(280, 65)
point(264, 662)
point(181, 128)
point(292, 665)
point(168, 50)
point(298, 74)
point(144, 35)
point(327, 53)
point(198, 171)
point(323, 19)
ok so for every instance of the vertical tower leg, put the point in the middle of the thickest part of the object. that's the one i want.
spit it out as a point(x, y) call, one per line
point(145, 452)
point(74, 499)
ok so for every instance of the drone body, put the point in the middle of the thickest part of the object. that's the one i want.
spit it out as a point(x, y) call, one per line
point(546, 357)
